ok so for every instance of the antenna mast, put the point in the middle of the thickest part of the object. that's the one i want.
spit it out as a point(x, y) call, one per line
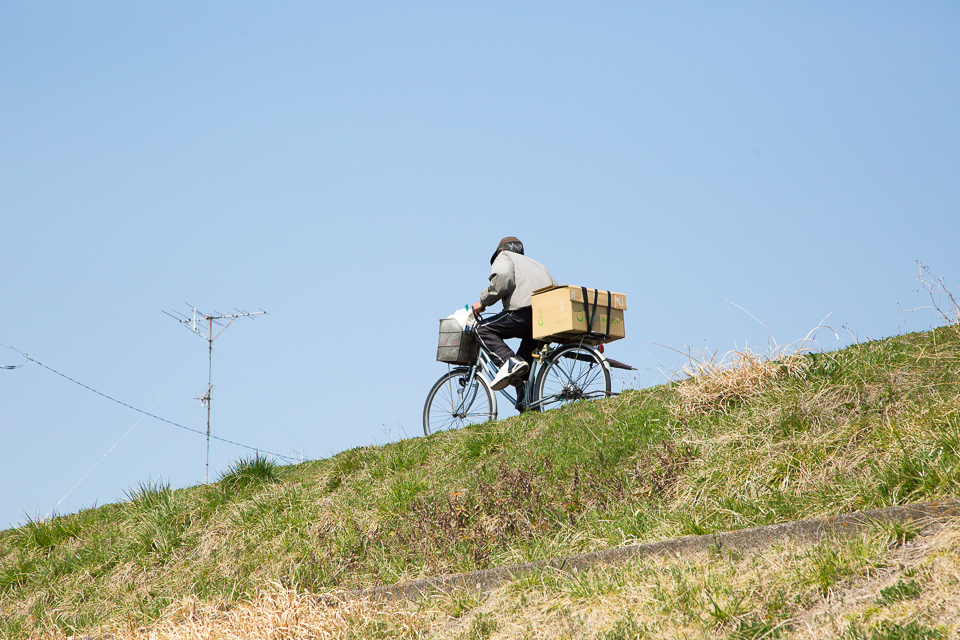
point(195, 324)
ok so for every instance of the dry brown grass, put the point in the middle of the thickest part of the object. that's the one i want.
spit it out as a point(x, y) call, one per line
point(718, 383)
point(943, 299)
point(275, 614)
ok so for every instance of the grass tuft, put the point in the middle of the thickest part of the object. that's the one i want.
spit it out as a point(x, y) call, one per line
point(717, 384)
point(250, 471)
point(45, 534)
point(893, 631)
point(898, 592)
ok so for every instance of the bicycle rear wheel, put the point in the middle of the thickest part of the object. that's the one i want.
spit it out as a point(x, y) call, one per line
point(573, 373)
point(455, 401)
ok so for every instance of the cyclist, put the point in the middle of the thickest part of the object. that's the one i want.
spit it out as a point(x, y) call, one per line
point(513, 278)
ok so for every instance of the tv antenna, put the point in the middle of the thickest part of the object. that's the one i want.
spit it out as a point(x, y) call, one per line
point(199, 322)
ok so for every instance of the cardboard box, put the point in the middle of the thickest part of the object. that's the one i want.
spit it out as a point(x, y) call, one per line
point(559, 312)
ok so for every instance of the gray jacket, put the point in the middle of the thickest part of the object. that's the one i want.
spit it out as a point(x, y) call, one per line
point(513, 278)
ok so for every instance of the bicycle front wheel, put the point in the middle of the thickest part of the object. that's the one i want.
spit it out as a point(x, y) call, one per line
point(456, 401)
point(573, 373)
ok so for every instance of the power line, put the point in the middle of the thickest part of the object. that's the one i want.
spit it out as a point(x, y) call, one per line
point(110, 450)
point(147, 413)
point(262, 404)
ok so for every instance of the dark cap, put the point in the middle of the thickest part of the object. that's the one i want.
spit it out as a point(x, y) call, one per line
point(500, 247)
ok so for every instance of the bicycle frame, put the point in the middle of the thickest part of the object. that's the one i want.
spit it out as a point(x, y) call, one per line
point(489, 368)
point(486, 364)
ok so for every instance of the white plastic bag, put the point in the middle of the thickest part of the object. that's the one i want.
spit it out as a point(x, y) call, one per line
point(464, 318)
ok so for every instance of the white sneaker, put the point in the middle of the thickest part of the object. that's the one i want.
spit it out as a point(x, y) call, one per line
point(510, 370)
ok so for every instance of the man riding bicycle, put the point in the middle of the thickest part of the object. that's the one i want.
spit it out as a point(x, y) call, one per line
point(513, 279)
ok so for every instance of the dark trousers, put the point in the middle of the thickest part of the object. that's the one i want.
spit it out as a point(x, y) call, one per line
point(508, 324)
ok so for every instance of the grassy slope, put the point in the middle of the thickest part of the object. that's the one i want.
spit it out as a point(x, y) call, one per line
point(873, 425)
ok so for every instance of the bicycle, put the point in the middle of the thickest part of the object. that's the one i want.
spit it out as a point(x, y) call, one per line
point(573, 370)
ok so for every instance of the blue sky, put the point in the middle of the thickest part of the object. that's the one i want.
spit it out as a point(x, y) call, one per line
point(349, 167)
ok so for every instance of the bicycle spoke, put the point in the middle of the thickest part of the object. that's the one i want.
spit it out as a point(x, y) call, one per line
point(576, 378)
point(572, 374)
point(457, 399)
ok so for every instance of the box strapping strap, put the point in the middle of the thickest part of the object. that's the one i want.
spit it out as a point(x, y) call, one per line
point(591, 315)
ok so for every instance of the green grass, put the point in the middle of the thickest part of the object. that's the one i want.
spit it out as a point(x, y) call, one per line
point(873, 425)
point(898, 592)
point(894, 631)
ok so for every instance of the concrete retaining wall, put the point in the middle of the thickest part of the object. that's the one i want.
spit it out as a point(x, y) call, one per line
point(813, 530)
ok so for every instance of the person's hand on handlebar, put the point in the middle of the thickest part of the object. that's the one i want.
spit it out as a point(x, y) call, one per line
point(478, 308)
